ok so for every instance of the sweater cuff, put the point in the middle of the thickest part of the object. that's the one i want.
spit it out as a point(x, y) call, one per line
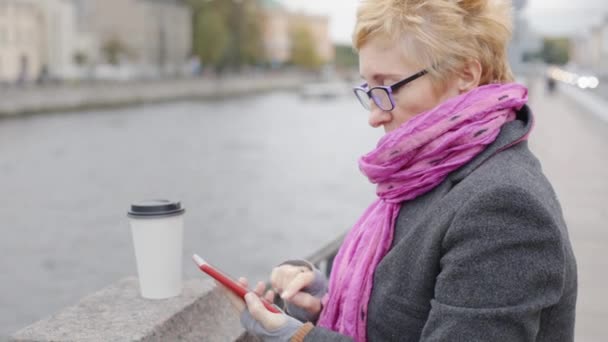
point(298, 262)
point(302, 332)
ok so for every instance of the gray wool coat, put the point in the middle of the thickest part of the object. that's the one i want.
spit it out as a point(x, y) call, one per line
point(485, 256)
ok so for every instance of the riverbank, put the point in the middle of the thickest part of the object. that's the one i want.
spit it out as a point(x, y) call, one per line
point(70, 97)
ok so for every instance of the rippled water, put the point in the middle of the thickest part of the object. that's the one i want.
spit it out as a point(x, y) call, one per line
point(263, 178)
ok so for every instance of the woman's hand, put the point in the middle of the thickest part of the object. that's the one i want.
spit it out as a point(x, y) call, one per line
point(269, 320)
point(257, 320)
point(301, 287)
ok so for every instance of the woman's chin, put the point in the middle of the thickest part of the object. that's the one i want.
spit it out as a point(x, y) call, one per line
point(389, 128)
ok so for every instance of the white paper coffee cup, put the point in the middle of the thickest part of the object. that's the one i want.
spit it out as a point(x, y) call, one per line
point(157, 227)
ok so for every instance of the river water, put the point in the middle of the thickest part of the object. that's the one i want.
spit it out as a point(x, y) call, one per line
point(263, 178)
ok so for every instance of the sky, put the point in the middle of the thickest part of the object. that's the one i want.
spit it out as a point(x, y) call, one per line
point(547, 17)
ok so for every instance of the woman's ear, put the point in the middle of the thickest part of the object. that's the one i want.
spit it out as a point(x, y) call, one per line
point(469, 77)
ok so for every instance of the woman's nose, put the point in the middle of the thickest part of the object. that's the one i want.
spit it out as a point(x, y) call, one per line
point(378, 117)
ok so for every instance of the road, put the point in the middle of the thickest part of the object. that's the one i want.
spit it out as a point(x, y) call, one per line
point(573, 148)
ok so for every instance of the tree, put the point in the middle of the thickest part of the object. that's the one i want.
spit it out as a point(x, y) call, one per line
point(346, 57)
point(556, 51)
point(113, 50)
point(252, 50)
point(227, 32)
point(303, 49)
point(80, 58)
point(211, 38)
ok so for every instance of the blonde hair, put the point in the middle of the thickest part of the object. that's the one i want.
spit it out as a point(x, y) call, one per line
point(442, 35)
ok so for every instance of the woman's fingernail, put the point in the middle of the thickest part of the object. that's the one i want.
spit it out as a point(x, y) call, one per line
point(285, 295)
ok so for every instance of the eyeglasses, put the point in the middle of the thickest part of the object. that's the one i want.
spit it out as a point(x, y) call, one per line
point(383, 95)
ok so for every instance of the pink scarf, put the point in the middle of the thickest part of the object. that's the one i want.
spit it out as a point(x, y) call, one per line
point(407, 163)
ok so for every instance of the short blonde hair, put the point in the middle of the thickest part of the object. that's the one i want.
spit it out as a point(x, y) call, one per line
point(442, 35)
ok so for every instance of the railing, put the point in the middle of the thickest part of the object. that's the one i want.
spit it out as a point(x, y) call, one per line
point(118, 313)
point(323, 259)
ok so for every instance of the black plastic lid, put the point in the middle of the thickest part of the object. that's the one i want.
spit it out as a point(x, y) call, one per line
point(155, 208)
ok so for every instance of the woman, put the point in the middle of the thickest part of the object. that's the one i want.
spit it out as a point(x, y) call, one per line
point(466, 241)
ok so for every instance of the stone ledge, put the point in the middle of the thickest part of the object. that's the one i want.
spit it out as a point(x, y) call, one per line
point(118, 313)
point(61, 98)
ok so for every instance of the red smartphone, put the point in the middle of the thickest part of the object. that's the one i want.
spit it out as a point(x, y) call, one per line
point(235, 287)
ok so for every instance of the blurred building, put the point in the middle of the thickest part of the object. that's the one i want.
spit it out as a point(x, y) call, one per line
point(275, 33)
point(37, 39)
point(589, 50)
point(604, 49)
point(579, 50)
point(59, 37)
point(600, 47)
point(595, 47)
point(277, 26)
point(150, 36)
point(21, 40)
point(319, 28)
point(524, 40)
